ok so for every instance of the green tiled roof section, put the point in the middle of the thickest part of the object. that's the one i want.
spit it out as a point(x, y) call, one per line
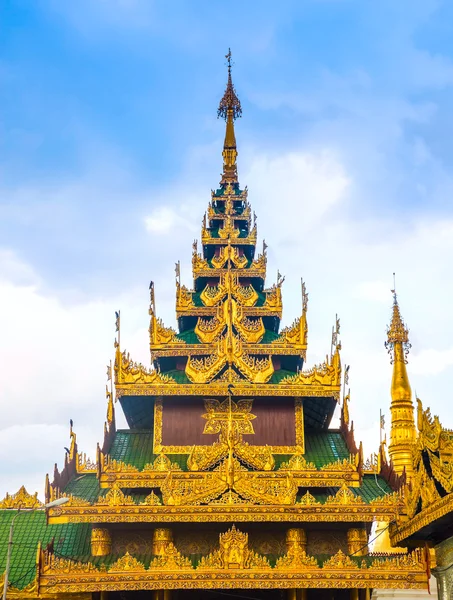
point(280, 374)
point(372, 487)
point(84, 486)
point(325, 447)
point(71, 539)
point(189, 336)
point(178, 376)
point(269, 337)
point(196, 299)
point(261, 299)
point(135, 447)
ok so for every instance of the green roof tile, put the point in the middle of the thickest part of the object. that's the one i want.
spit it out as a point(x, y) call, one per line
point(135, 447)
point(71, 539)
point(268, 337)
point(177, 375)
point(325, 447)
point(84, 486)
point(189, 336)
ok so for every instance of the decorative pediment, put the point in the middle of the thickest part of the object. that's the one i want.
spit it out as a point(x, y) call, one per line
point(21, 499)
point(233, 553)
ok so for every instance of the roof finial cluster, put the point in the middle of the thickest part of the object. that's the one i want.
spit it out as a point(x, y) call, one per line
point(230, 101)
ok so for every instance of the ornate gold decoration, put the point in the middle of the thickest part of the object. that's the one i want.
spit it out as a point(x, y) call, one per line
point(219, 414)
point(152, 500)
point(308, 500)
point(296, 556)
point(402, 432)
point(127, 372)
point(344, 496)
point(357, 541)
point(202, 457)
point(21, 499)
point(115, 497)
point(163, 464)
point(170, 559)
point(296, 538)
point(127, 563)
point(297, 462)
point(162, 537)
point(101, 541)
point(233, 553)
point(340, 561)
point(328, 373)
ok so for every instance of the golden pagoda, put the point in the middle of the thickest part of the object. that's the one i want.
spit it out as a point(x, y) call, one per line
point(228, 479)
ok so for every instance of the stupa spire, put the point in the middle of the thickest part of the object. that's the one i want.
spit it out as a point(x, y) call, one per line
point(229, 109)
point(402, 432)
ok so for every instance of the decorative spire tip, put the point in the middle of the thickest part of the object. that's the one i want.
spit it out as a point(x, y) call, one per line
point(230, 103)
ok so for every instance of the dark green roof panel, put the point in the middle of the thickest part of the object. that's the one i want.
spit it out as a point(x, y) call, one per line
point(325, 447)
point(71, 539)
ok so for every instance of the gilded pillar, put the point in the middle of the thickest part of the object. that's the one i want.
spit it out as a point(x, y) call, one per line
point(162, 536)
point(444, 569)
point(357, 542)
point(296, 543)
point(101, 541)
point(354, 594)
point(296, 540)
point(162, 595)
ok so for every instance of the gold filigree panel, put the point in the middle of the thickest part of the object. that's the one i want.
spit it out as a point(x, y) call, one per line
point(298, 448)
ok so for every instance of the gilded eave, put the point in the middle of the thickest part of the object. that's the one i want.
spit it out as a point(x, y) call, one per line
point(173, 570)
point(382, 509)
point(215, 388)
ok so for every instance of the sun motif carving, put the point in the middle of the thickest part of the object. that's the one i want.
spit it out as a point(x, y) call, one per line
point(221, 415)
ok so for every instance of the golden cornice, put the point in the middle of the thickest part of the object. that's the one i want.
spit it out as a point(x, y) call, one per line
point(161, 336)
point(326, 374)
point(233, 563)
point(231, 237)
point(295, 389)
point(209, 348)
point(129, 372)
point(302, 512)
point(432, 435)
point(406, 528)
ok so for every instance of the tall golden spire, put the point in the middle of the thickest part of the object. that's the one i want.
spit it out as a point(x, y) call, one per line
point(402, 433)
point(229, 109)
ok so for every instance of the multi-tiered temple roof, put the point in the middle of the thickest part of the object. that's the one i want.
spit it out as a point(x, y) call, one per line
point(228, 430)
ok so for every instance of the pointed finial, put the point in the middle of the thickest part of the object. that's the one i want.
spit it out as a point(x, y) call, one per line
point(402, 428)
point(397, 332)
point(230, 101)
point(229, 109)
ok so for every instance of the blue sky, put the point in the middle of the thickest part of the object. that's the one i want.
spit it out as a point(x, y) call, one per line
point(110, 145)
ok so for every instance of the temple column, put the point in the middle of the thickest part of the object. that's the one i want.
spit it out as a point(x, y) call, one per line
point(444, 569)
point(354, 594)
point(101, 541)
point(162, 538)
point(357, 541)
point(296, 543)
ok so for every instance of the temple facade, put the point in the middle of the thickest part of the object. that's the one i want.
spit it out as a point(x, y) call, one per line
point(229, 479)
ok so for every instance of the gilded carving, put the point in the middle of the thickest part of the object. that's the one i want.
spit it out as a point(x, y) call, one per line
point(127, 563)
point(21, 499)
point(233, 553)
